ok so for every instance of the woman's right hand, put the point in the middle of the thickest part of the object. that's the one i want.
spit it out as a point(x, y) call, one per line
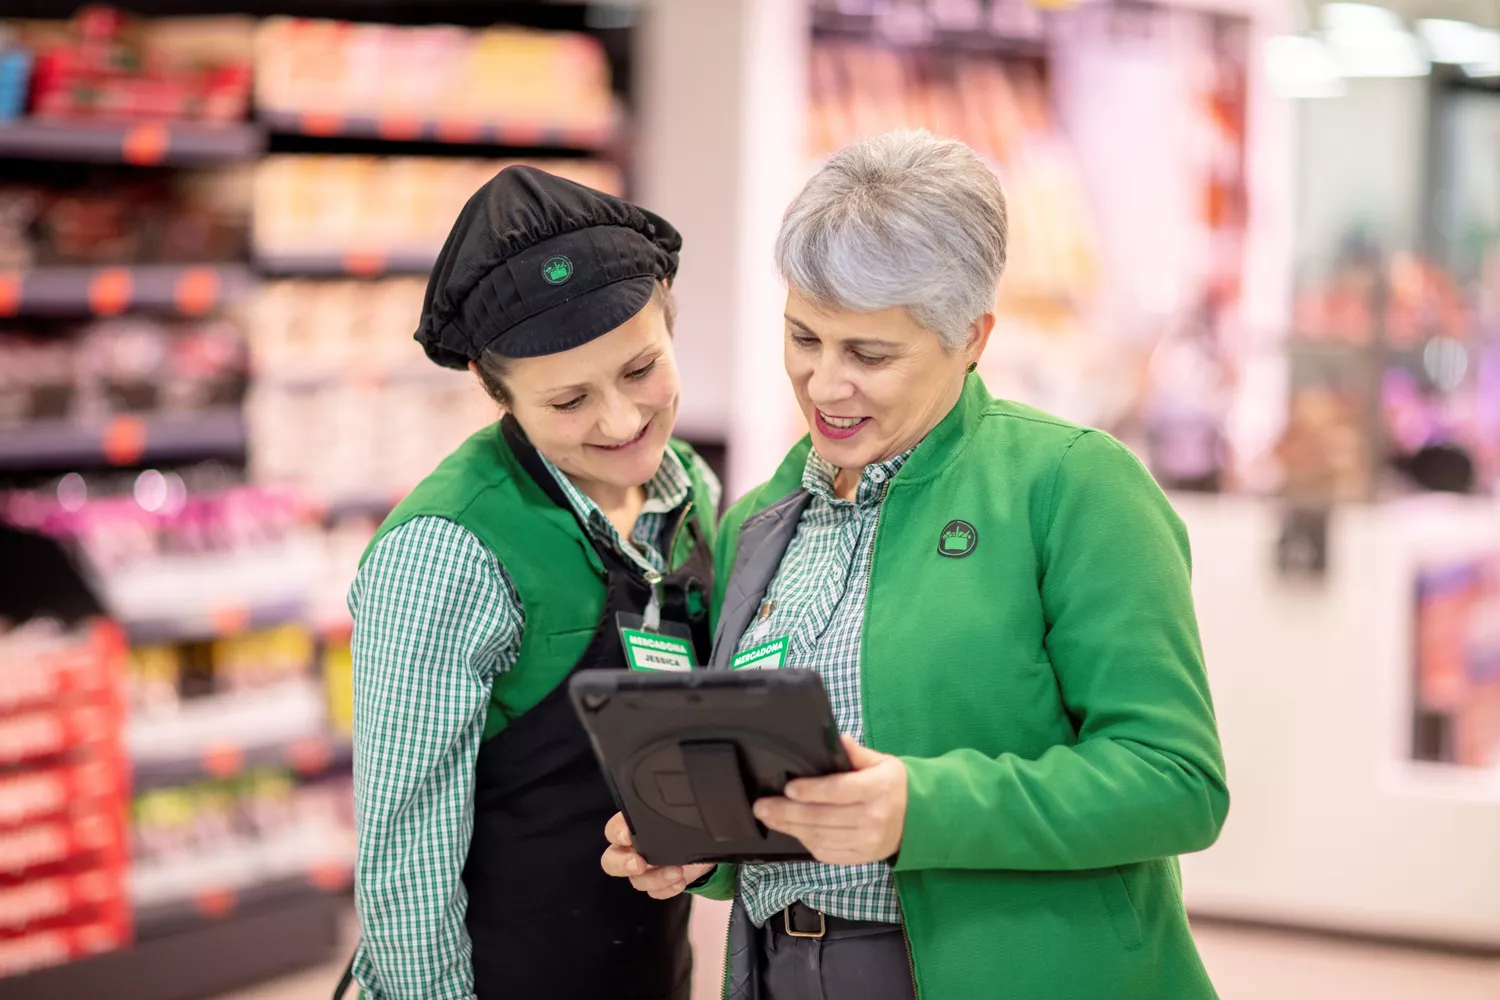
point(621, 861)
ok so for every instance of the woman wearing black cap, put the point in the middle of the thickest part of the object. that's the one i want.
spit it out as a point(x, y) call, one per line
point(516, 562)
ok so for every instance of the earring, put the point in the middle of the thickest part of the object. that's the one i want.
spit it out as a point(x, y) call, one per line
point(973, 365)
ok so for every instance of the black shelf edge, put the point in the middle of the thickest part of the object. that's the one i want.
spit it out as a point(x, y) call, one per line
point(309, 757)
point(397, 129)
point(205, 958)
point(162, 920)
point(159, 438)
point(187, 289)
point(355, 264)
point(211, 624)
point(139, 143)
point(867, 28)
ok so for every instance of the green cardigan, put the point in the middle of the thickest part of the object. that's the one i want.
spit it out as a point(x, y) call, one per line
point(1047, 694)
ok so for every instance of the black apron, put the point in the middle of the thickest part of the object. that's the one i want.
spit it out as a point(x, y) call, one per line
point(543, 918)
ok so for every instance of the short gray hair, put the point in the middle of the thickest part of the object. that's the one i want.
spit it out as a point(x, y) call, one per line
point(900, 219)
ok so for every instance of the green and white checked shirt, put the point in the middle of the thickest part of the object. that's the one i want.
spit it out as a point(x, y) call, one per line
point(436, 618)
point(817, 601)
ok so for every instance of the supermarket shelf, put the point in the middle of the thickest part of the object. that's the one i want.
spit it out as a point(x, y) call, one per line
point(310, 757)
point(364, 264)
point(396, 128)
point(205, 957)
point(189, 289)
point(138, 143)
point(165, 919)
point(868, 28)
point(212, 623)
point(124, 441)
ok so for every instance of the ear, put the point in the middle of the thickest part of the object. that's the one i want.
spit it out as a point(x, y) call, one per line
point(979, 337)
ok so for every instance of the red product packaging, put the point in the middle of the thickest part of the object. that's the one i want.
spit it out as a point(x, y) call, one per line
point(83, 672)
point(62, 944)
point(48, 733)
point(47, 903)
point(33, 796)
point(93, 837)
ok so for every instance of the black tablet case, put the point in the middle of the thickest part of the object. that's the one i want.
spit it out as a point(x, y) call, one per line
point(686, 754)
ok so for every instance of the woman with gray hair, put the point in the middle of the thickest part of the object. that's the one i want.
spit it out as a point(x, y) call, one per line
point(999, 605)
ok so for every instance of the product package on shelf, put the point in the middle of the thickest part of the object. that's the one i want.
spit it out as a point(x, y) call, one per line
point(345, 405)
point(1457, 684)
point(318, 207)
point(106, 65)
point(510, 76)
point(64, 784)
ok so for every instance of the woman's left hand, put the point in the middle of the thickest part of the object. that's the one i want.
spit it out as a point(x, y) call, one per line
point(845, 819)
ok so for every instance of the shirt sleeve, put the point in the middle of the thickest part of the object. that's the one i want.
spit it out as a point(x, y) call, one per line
point(435, 618)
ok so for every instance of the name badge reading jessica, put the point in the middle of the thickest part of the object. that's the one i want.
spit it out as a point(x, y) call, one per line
point(655, 651)
point(767, 656)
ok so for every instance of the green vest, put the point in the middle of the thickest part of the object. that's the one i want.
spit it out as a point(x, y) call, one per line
point(544, 550)
point(1039, 672)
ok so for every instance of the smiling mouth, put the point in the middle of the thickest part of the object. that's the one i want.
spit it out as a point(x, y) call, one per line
point(839, 427)
point(628, 444)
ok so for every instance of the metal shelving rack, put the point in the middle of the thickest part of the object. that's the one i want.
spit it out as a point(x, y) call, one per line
point(203, 947)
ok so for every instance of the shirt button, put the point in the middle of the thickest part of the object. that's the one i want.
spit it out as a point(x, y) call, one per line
point(877, 475)
point(766, 609)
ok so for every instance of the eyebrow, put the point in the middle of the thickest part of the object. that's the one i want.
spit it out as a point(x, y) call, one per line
point(889, 345)
point(578, 387)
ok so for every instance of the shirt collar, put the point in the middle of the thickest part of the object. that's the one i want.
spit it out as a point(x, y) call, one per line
point(819, 474)
point(666, 491)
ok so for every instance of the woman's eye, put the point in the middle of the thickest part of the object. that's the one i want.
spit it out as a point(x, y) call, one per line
point(867, 359)
point(642, 372)
point(569, 406)
point(802, 340)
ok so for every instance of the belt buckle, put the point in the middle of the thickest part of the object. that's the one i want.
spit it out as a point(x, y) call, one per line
point(786, 920)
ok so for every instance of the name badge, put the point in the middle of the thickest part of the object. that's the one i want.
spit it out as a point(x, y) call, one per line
point(655, 651)
point(767, 656)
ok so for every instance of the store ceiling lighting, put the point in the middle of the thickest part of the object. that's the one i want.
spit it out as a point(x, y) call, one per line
point(1370, 41)
point(1301, 67)
point(1474, 48)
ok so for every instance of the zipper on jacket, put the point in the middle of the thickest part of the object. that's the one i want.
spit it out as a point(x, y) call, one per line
point(724, 990)
point(911, 961)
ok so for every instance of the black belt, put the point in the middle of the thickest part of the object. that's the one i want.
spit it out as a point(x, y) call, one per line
point(802, 921)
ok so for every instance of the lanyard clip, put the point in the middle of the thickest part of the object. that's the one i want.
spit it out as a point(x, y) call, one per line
point(652, 621)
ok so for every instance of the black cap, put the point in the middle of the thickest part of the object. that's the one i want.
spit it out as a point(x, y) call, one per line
point(537, 264)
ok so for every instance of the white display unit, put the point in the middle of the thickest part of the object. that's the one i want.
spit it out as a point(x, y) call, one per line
point(1331, 825)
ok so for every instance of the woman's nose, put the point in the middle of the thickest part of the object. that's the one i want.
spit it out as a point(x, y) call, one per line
point(620, 421)
point(827, 382)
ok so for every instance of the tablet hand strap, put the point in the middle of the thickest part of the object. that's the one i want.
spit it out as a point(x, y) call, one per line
point(718, 784)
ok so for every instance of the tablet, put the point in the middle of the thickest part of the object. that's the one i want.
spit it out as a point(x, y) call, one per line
point(687, 753)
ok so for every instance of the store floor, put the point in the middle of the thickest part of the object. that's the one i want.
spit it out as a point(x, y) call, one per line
point(1245, 965)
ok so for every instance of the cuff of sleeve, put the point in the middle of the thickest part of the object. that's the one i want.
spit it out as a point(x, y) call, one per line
point(924, 841)
point(716, 884)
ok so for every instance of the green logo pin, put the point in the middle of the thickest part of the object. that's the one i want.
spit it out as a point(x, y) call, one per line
point(557, 270)
point(958, 539)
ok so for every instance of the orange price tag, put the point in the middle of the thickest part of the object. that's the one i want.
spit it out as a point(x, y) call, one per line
point(110, 291)
point(197, 290)
point(146, 145)
point(10, 294)
point(232, 619)
point(321, 123)
point(214, 902)
point(458, 130)
point(330, 877)
point(223, 761)
point(364, 263)
point(309, 756)
point(124, 440)
point(399, 128)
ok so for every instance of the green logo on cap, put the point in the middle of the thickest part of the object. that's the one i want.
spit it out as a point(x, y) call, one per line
point(557, 270)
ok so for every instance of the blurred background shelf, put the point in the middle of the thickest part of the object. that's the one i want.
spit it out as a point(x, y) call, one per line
point(210, 907)
point(186, 289)
point(136, 143)
point(204, 956)
point(213, 623)
point(369, 264)
point(124, 441)
point(308, 757)
point(397, 128)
